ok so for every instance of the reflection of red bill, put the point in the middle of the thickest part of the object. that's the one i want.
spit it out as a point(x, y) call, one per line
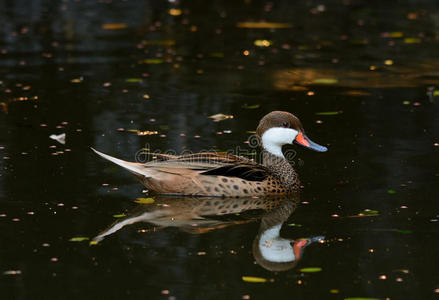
point(298, 246)
point(303, 140)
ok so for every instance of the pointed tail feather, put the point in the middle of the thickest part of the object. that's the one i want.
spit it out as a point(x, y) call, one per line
point(135, 168)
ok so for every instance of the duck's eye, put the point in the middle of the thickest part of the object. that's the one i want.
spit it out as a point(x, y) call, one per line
point(286, 124)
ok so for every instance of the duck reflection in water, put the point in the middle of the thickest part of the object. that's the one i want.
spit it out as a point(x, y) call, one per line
point(200, 215)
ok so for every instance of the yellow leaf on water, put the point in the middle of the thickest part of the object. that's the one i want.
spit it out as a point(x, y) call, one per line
point(114, 26)
point(325, 81)
point(79, 239)
point(396, 34)
point(153, 61)
point(133, 80)
point(310, 270)
point(262, 43)
point(217, 54)
point(175, 12)
point(220, 117)
point(412, 40)
point(254, 106)
point(144, 200)
point(92, 243)
point(263, 25)
point(119, 215)
point(253, 279)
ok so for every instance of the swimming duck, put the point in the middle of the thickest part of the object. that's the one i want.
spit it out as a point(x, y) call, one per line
point(226, 175)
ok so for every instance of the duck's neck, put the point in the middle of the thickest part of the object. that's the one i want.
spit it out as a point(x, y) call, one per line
point(282, 169)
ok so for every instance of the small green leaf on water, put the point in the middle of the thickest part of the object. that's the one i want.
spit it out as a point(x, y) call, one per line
point(144, 200)
point(295, 225)
point(253, 279)
point(262, 43)
point(412, 40)
point(119, 215)
point(325, 81)
point(436, 93)
point(254, 106)
point(217, 54)
point(153, 61)
point(310, 270)
point(391, 192)
point(79, 239)
point(406, 102)
point(133, 80)
point(370, 212)
point(329, 113)
point(405, 231)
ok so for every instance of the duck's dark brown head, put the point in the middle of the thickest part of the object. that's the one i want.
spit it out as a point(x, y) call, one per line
point(279, 128)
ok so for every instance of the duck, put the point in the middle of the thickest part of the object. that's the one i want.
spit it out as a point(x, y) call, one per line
point(227, 175)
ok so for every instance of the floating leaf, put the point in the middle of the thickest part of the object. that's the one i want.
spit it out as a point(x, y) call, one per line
point(391, 192)
point(92, 243)
point(405, 231)
point(79, 239)
point(133, 80)
point(160, 42)
point(144, 200)
point(263, 25)
point(370, 212)
point(76, 80)
point(119, 215)
point(254, 106)
point(356, 93)
point(406, 102)
point(325, 81)
point(396, 34)
point(175, 12)
point(253, 279)
point(329, 113)
point(310, 270)
point(436, 93)
point(114, 26)
point(262, 43)
point(60, 138)
point(12, 272)
point(412, 40)
point(153, 61)
point(220, 117)
point(295, 225)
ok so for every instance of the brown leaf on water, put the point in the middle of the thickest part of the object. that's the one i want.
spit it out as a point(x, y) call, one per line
point(220, 117)
point(263, 25)
point(114, 26)
point(356, 93)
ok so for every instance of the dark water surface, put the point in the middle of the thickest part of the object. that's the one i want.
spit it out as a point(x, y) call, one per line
point(92, 68)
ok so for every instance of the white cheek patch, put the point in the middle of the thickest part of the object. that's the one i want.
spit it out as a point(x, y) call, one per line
point(274, 248)
point(274, 138)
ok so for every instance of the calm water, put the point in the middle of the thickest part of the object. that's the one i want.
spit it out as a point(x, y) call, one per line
point(95, 70)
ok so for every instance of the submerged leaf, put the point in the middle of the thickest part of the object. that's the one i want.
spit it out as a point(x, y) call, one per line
point(405, 231)
point(412, 40)
point(114, 26)
point(329, 113)
point(79, 239)
point(391, 192)
point(144, 200)
point(254, 106)
point(253, 279)
point(325, 81)
point(133, 80)
point(263, 25)
point(310, 270)
point(152, 61)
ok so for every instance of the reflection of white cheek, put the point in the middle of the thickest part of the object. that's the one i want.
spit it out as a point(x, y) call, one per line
point(274, 248)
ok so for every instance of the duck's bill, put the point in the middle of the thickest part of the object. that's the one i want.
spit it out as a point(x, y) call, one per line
point(302, 140)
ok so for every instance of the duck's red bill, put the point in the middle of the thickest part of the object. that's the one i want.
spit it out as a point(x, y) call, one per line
point(303, 140)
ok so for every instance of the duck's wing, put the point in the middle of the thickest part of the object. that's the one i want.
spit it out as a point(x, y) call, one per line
point(205, 163)
point(215, 164)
